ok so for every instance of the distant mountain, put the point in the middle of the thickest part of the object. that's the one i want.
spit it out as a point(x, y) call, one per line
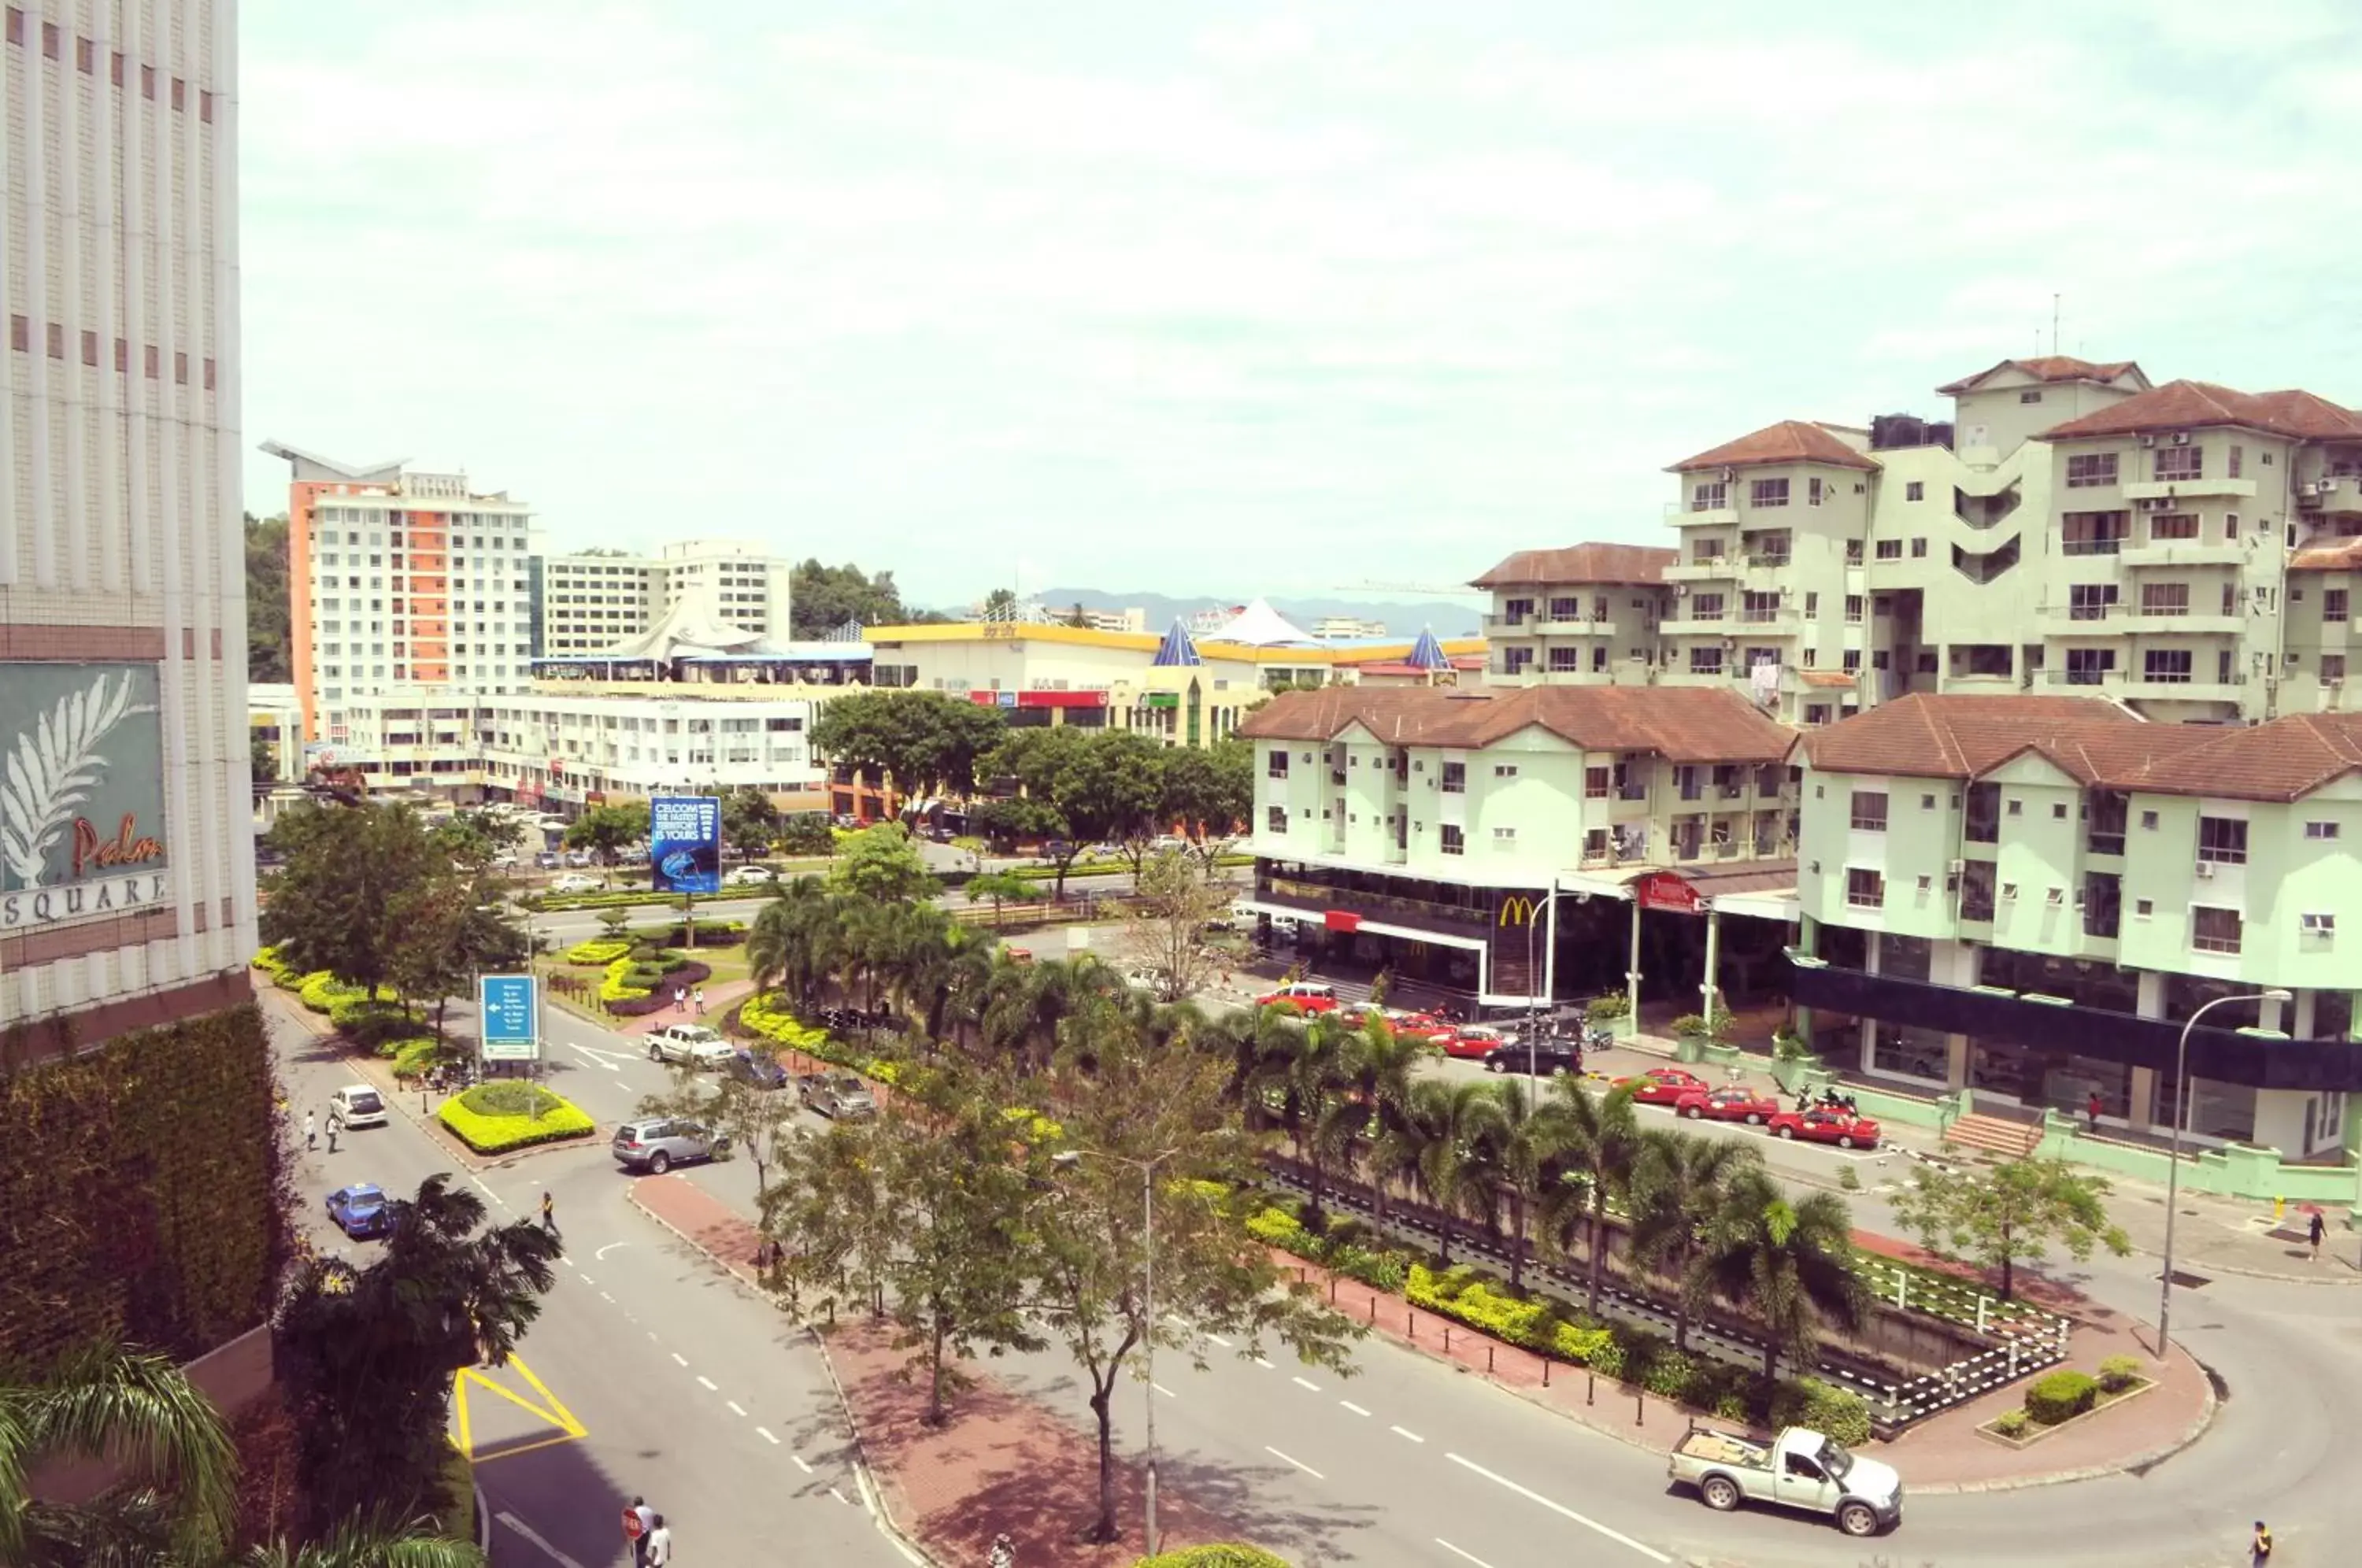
point(1402, 618)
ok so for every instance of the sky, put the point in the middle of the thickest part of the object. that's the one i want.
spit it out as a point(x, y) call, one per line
point(1236, 298)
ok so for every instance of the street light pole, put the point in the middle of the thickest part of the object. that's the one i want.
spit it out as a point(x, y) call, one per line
point(1533, 1025)
point(2173, 1162)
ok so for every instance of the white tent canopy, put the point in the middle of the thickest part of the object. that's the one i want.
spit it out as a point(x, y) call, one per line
point(1261, 627)
point(688, 627)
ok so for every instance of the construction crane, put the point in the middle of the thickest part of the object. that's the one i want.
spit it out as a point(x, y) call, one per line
point(1424, 589)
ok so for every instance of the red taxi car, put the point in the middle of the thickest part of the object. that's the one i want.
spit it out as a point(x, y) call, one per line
point(1818, 1126)
point(1727, 1105)
point(1663, 1085)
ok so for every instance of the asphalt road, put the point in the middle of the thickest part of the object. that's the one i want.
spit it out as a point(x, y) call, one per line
point(647, 1372)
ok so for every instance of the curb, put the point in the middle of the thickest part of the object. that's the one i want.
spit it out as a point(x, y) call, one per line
point(2094, 1472)
point(483, 1521)
point(632, 1194)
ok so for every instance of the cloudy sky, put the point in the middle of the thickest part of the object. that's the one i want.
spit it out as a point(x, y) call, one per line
point(1242, 298)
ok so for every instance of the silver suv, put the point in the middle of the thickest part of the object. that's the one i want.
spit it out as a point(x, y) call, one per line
point(692, 1043)
point(657, 1143)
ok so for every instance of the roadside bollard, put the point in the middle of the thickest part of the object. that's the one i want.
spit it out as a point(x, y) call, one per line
point(1639, 1408)
point(1546, 1366)
point(1590, 1386)
point(1373, 1311)
point(1488, 1357)
point(1332, 1292)
point(1447, 1339)
point(1410, 1322)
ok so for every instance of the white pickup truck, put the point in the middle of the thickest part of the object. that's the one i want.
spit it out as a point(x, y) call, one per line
point(1799, 1469)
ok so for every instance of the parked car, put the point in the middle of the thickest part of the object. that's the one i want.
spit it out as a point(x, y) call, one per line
point(1423, 1026)
point(1799, 1469)
point(750, 876)
point(1304, 996)
point(574, 882)
point(1552, 1057)
point(356, 1105)
point(839, 1095)
point(577, 857)
point(1844, 1129)
point(504, 861)
point(361, 1210)
point(1663, 1085)
point(1471, 1041)
point(656, 1144)
point(759, 1069)
point(548, 860)
point(1747, 1105)
point(692, 1043)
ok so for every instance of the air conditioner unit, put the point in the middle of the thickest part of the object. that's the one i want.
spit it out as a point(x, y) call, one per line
point(1681, 591)
point(1957, 866)
point(2148, 440)
point(2324, 487)
point(2157, 503)
point(2205, 870)
point(2181, 437)
point(1814, 868)
point(2308, 490)
point(2009, 891)
point(2056, 897)
point(1728, 475)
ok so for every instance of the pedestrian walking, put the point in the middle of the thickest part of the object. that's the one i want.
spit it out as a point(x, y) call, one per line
point(549, 1215)
point(311, 1131)
point(660, 1543)
point(1004, 1555)
point(336, 1125)
point(679, 1000)
point(2092, 1112)
point(2259, 1549)
point(648, 1522)
point(700, 1002)
point(2314, 1231)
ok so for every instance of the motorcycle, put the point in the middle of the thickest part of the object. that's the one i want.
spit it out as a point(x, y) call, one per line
point(1597, 1038)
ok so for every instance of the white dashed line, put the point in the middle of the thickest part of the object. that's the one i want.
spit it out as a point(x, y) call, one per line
point(1305, 1383)
point(604, 1297)
point(734, 1408)
point(1464, 1556)
point(1219, 1340)
point(765, 1433)
point(800, 1464)
point(652, 1334)
point(1400, 1431)
point(680, 1358)
point(1561, 1509)
point(1351, 1406)
point(1265, 1363)
point(840, 1496)
point(709, 1388)
point(586, 1278)
point(1297, 1463)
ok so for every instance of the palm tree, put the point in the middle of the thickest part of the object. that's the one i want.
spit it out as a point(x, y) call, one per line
point(1374, 1098)
point(1516, 1143)
point(1599, 1142)
point(1790, 1264)
point(180, 1495)
point(783, 947)
point(1305, 1069)
point(369, 1544)
point(1680, 1187)
point(1430, 1149)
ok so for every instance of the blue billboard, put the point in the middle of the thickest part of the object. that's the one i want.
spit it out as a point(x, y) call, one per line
point(685, 843)
point(508, 1017)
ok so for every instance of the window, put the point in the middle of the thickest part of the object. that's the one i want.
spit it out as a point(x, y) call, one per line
point(1853, 552)
point(1853, 608)
point(2143, 908)
point(1505, 770)
point(2089, 600)
point(2178, 463)
point(1812, 604)
point(1852, 661)
point(1594, 783)
point(1706, 607)
point(2213, 931)
point(1455, 841)
point(2029, 397)
point(2148, 822)
point(1705, 661)
point(2320, 830)
point(2332, 667)
point(1927, 802)
point(2174, 525)
point(2058, 811)
point(1870, 811)
point(1455, 777)
point(1767, 492)
point(1918, 549)
point(2013, 808)
point(1914, 490)
point(1709, 497)
point(2238, 460)
point(2332, 603)
point(1814, 492)
point(1503, 837)
point(2223, 841)
point(2165, 599)
point(1889, 549)
point(2318, 924)
point(1566, 660)
point(1277, 767)
point(1759, 608)
point(1276, 819)
point(2167, 665)
point(2091, 469)
point(2093, 532)
point(1865, 889)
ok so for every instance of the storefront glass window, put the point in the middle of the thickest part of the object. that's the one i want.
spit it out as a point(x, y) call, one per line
point(1908, 1052)
point(2332, 1015)
point(1905, 958)
point(2056, 1079)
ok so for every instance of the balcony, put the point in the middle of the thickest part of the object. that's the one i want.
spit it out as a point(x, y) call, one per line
point(2189, 489)
point(1719, 568)
point(1571, 626)
point(1679, 514)
point(2183, 553)
point(2129, 620)
point(1512, 626)
point(1316, 898)
point(1719, 625)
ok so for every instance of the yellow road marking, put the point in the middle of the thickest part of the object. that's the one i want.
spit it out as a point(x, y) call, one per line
point(552, 1410)
point(460, 1403)
point(564, 1417)
point(500, 1451)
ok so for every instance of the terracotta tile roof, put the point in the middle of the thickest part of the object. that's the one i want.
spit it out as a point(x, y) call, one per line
point(2093, 741)
point(1685, 723)
point(1790, 441)
point(1829, 678)
point(1580, 563)
point(2344, 556)
point(2187, 405)
point(2046, 368)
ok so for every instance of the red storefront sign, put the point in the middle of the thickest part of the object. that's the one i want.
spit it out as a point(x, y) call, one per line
point(1062, 698)
point(1341, 920)
point(1666, 891)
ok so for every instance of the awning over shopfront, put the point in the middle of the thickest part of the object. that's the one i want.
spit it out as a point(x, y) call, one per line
point(1764, 889)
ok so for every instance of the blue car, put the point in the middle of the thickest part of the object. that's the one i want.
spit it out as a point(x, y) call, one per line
point(361, 1210)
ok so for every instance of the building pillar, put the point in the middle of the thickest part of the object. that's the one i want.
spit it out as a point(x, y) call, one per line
point(2148, 1003)
point(2302, 1027)
point(1808, 931)
point(1960, 968)
point(1713, 961)
point(1873, 955)
point(1549, 946)
point(1632, 968)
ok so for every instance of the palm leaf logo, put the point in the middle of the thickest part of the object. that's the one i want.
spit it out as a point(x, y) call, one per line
point(54, 768)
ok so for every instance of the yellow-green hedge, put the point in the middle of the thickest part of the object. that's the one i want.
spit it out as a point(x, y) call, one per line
point(616, 987)
point(497, 1117)
point(768, 1019)
point(598, 950)
point(1227, 1554)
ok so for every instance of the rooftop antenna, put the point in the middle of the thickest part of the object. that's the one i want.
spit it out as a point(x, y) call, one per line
point(2054, 323)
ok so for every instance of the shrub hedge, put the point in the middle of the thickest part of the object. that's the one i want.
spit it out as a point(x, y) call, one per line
point(2119, 1373)
point(1222, 1555)
point(510, 1114)
point(598, 950)
point(2056, 1397)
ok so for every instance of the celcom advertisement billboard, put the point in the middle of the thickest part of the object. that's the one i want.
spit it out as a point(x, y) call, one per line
point(685, 843)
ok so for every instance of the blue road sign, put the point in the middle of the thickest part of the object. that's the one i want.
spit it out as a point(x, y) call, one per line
point(510, 1018)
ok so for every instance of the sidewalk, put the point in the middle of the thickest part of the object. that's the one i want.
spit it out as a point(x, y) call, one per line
point(719, 1000)
point(1001, 1464)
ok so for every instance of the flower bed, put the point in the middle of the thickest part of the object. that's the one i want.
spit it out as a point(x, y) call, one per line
point(494, 1118)
point(2059, 1399)
point(635, 988)
point(598, 950)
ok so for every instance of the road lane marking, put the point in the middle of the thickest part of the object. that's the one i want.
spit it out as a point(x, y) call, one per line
point(1464, 1556)
point(595, 1061)
point(1219, 1340)
point(1306, 1383)
point(1351, 1406)
point(525, 1529)
point(486, 1190)
point(1162, 1390)
point(680, 1358)
point(604, 1297)
point(584, 1277)
point(652, 1334)
point(800, 1464)
point(709, 1388)
point(1297, 1463)
point(1400, 1431)
point(1265, 1363)
point(1651, 1553)
point(765, 1433)
point(734, 1407)
point(600, 1256)
point(840, 1496)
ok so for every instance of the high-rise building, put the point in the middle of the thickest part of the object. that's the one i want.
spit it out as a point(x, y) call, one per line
point(126, 875)
point(400, 582)
point(593, 600)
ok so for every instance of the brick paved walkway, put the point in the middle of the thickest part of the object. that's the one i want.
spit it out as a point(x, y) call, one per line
point(1002, 1463)
point(720, 998)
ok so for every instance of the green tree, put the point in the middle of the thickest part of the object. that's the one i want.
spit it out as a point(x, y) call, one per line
point(1001, 604)
point(1160, 1159)
point(367, 1356)
point(1997, 1218)
point(1680, 1187)
point(262, 757)
point(1789, 1263)
point(1429, 1149)
point(881, 863)
point(365, 1544)
point(795, 940)
point(1109, 790)
point(822, 599)
point(448, 929)
point(1513, 1153)
point(807, 833)
point(267, 606)
point(1598, 1144)
point(607, 831)
point(1165, 930)
point(1002, 886)
point(925, 742)
point(180, 1491)
point(749, 820)
point(1005, 824)
point(475, 837)
point(1209, 790)
point(350, 876)
point(1078, 617)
